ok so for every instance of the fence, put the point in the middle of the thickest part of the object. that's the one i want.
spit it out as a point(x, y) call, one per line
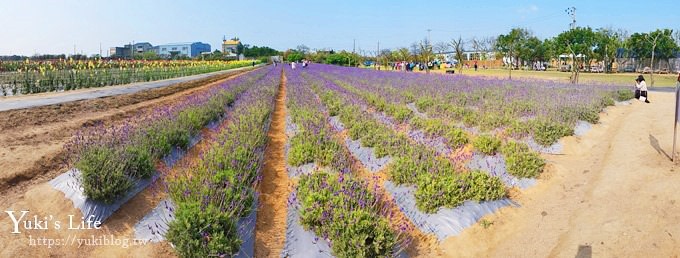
point(641, 65)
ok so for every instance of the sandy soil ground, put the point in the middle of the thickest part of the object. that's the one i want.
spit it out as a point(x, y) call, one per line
point(270, 230)
point(613, 194)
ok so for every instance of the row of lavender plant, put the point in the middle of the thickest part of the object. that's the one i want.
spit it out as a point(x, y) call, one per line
point(521, 162)
point(213, 194)
point(546, 110)
point(437, 181)
point(484, 106)
point(111, 158)
point(335, 203)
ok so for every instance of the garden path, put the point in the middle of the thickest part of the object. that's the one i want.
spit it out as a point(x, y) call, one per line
point(270, 230)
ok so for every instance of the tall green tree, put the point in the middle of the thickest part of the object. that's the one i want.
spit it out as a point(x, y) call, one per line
point(401, 54)
point(511, 45)
point(579, 43)
point(656, 44)
point(607, 41)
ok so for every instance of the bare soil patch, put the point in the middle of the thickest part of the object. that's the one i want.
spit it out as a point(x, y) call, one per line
point(270, 230)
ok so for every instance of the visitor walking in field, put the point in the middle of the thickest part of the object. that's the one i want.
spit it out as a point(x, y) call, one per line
point(641, 89)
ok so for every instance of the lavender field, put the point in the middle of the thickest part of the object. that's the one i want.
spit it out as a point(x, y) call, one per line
point(441, 151)
point(378, 162)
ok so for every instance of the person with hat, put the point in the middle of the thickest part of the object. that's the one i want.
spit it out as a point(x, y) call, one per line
point(641, 88)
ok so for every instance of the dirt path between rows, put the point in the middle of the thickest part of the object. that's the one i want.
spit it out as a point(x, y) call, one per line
point(270, 230)
point(31, 140)
point(613, 194)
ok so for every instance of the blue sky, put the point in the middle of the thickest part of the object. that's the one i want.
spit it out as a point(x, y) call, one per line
point(51, 26)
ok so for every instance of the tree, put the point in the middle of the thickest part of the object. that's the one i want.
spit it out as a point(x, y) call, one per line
point(426, 54)
point(343, 58)
point(402, 54)
point(656, 44)
point(302, 49)
point(579, 43)
point(664, 39)
point(415, 49)
point(150, 55)
point(256, 51)
point(607, 41)
point(532, 50)
point(440, 47)
point(477, 46)
point(511, 45)
point(459, 47)
point(293, 55)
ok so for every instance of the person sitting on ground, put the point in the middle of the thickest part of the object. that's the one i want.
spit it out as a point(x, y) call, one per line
point(641, 88)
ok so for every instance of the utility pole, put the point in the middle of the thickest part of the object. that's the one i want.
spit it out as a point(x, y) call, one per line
point(100, 50)
point(377, 56)
point(571, 11)
point(74, 49)
point(354, 45)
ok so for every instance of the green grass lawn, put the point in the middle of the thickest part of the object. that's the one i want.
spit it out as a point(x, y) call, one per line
point(623, 79)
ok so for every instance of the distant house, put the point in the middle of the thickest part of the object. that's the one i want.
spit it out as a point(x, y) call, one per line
point(119, 52)
point(229, 47)
point(127, 50)
point(190, 49)
point(142, 47)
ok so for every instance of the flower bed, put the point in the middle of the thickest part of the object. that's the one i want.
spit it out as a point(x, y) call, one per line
point(63, 75)
point(413, 163)
point(214, 194)
point(333, 203)
point(111, 159)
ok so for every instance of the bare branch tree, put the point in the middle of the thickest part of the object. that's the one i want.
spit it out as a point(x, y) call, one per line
point(458, 46)
point(479, 45)
point(440, 47)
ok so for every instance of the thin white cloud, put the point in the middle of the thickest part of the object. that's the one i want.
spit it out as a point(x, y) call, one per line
point(527, 10)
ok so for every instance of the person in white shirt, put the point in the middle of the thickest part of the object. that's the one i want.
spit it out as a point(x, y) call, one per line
point(641, 88)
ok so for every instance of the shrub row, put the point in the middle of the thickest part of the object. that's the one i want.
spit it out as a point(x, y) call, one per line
point(334, 204)
point(212, 195)
point(340, 208)
point(315, 141)
point(412, 163)
point(450, 190)
point(110, 159)
point(520, 161)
